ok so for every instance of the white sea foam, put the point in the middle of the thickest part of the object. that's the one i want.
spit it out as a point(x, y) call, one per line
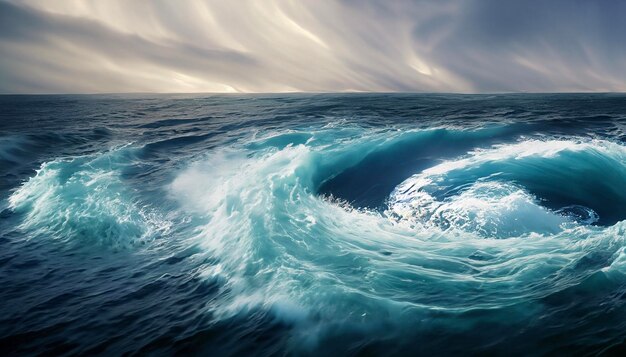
point(83, 200)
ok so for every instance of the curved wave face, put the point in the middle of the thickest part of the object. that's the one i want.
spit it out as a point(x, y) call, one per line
point(329, 224)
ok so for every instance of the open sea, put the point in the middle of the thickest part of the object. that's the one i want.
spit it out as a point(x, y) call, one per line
point(313, 224)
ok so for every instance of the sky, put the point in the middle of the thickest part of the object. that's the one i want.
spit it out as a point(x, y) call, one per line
point(176, 46)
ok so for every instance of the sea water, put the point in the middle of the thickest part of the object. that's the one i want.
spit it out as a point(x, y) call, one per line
point(313, 224)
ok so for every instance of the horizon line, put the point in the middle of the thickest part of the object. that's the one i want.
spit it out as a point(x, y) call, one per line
point(308, 92)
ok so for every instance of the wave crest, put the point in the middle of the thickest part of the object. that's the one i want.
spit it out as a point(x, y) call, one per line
point(530, 187)
point(84, 200)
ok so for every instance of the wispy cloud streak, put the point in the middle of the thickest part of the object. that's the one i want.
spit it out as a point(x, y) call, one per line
point(50, 46)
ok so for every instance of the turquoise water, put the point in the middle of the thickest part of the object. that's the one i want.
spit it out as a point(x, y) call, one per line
point(313, 224)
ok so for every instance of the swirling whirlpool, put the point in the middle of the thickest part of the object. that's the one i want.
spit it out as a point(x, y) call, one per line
point(333, 238)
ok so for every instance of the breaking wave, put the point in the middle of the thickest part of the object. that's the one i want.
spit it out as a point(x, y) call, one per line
point(491, 228)
point(84, 200)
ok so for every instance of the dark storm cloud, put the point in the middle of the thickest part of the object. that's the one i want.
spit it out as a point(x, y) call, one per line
point(273, 46)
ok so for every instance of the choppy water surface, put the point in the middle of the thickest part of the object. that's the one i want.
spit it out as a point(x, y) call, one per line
point(313, 224)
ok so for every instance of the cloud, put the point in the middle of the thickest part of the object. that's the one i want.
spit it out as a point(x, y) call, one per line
point(337, 45)
point(535, 45)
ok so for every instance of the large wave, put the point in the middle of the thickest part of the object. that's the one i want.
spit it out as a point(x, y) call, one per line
point(286, 245)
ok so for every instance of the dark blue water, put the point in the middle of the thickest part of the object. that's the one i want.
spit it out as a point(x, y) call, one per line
point(359, 224)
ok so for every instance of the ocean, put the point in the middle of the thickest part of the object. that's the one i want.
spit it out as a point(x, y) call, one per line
point(313, 224)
